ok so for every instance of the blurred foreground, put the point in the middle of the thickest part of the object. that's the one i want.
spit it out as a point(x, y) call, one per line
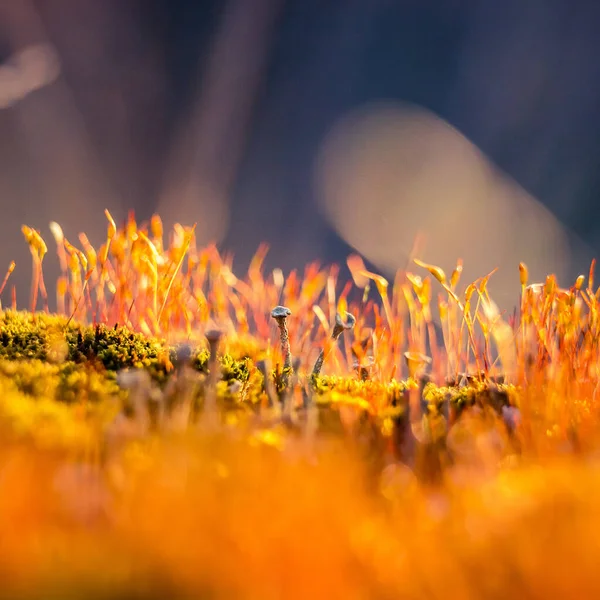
point(204, 518)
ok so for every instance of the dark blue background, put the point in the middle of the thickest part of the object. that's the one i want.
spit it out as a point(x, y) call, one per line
point(519, 78)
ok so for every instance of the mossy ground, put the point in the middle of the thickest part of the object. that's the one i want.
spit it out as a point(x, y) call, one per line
point(48, 359)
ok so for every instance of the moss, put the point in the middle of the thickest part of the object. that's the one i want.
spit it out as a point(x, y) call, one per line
point(45, 356)
point(36, 336)
point(25, 336)
point(231, 369)
point(477, 392)
point(281, 377)
point(29, 408)
point(67, 382)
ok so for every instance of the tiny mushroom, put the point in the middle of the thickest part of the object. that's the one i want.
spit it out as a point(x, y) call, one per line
point(280, 314)
point(214, 337)
point(339, 328)
point(183, 354)
point(210, 402)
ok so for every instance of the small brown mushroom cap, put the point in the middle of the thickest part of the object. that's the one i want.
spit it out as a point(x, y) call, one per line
point(348, 323)
point(213, 335)
point(281, 312)
point(184, 353)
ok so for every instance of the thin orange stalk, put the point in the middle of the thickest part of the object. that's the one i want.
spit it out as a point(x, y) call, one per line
point(87, 278)
point(186, 244)
point(9, 271)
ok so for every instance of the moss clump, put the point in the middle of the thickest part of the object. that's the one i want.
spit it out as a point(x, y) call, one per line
point(50, 338)
point(29, 408)
point(43, 337)
point(475, 393)
point(66, 382)
point(117, 348)
point(231, 369)
point(323, 384)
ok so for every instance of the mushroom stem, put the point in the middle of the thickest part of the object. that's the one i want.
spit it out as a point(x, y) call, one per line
point(181, 389)
point(280, 314)
point(288, 415)
point(264, 369)
point(210, 399)
point(339, 328)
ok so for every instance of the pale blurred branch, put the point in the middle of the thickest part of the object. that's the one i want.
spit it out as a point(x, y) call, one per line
point(205, 157)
